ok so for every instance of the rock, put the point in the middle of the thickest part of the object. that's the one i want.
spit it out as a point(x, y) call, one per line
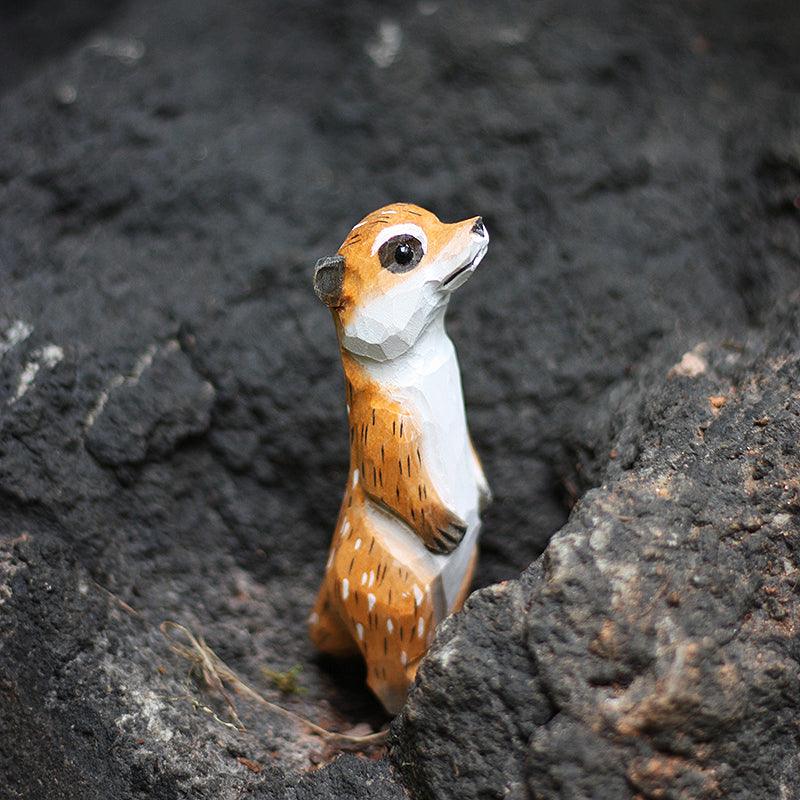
point(172, 425)
point(148, 412)
point(96, 713)
point(652, 652)
point(466, 728)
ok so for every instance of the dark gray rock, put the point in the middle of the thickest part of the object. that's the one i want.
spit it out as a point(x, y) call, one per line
point(653, 651)
point(148, 413)
point(95, 712)
point(466, 729)
point(171, 416)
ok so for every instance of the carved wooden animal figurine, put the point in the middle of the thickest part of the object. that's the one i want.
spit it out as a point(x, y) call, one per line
point(405, 543)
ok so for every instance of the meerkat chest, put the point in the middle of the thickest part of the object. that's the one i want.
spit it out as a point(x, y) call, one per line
point(428, 384)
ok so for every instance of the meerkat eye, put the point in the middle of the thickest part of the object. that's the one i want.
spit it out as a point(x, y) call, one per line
point(401, 253)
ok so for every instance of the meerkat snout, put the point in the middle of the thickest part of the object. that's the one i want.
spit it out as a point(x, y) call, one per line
point(479, 229)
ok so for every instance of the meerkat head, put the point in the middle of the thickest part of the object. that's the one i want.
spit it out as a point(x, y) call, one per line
point(394, 274)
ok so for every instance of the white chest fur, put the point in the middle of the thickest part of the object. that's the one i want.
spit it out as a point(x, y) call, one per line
point(426, 380)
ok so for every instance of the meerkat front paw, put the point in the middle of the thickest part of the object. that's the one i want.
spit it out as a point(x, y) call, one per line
point(445, 533)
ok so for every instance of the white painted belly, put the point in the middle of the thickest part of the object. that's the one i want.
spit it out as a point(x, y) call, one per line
point(427, 382)
point(446, 451)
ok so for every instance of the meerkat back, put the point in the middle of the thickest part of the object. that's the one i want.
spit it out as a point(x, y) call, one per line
point(405, 543)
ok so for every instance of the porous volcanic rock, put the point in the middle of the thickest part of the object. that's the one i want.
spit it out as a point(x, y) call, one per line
point(653, 651)
point(172, 427)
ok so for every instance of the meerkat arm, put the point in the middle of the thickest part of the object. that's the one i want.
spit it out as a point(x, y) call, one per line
point(386, 449)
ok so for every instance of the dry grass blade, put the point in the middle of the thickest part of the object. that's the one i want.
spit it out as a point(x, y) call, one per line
point(117, 600)
point(210, 673)
point(217, 673)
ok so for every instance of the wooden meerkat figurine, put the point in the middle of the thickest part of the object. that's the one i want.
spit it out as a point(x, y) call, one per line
point(405, 544)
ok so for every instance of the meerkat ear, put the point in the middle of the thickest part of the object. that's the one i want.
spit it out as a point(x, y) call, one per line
point(328, 280)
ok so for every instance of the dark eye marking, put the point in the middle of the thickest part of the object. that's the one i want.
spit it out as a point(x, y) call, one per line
point(401, 253)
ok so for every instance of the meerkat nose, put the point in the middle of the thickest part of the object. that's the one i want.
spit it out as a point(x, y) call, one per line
point(478, 228)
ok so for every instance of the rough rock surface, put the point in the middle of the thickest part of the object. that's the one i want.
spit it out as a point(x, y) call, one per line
point(171, 418)
point(653, 651)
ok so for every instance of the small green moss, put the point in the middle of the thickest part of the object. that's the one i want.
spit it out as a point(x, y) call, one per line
point(285, 682)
